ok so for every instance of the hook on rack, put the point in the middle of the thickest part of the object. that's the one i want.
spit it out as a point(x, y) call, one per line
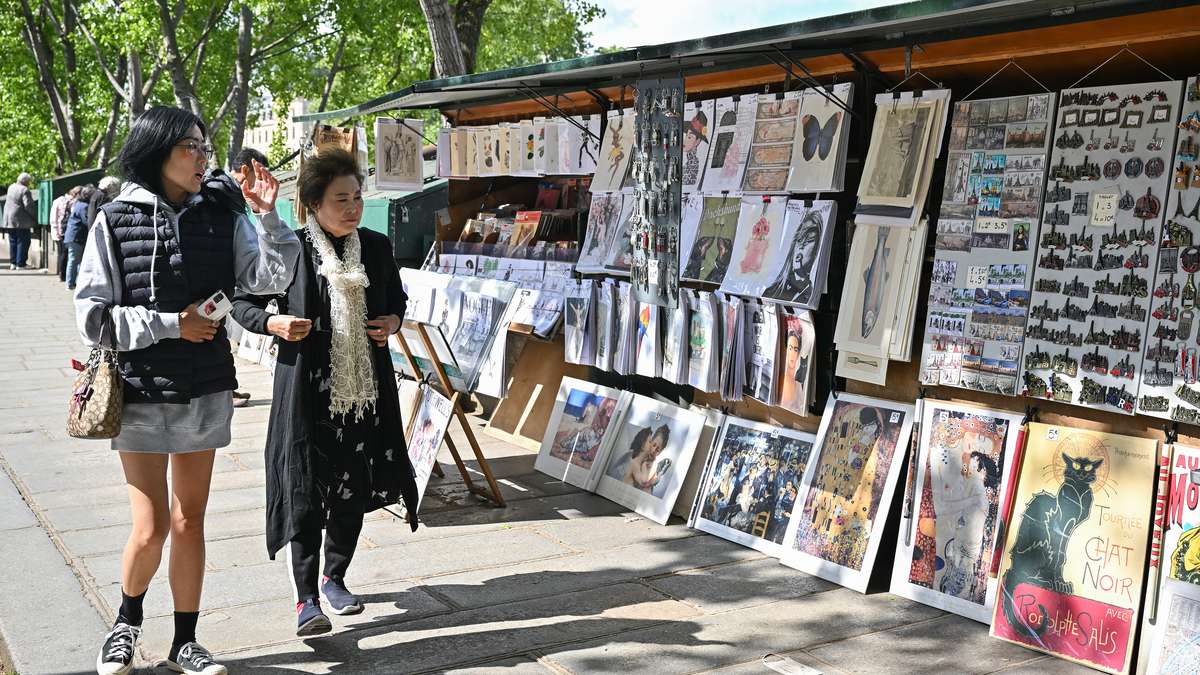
point(915, 73)
point(1171, 432)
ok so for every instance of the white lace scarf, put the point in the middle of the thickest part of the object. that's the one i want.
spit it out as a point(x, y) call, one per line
point(353, 378)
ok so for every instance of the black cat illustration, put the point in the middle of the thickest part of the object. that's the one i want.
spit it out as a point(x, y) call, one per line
point(1046, 528)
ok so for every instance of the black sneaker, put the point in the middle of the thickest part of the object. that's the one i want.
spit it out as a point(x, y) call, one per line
point(193, 659)
point(116, 656)
point(341, 601)
point(310, 620)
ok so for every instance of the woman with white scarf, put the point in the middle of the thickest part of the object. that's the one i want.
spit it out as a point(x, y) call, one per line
point(335, 443)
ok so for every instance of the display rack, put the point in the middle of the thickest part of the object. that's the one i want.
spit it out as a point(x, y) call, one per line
point(492, 492)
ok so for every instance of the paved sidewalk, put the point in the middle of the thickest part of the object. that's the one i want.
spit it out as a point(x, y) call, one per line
point(560, 581)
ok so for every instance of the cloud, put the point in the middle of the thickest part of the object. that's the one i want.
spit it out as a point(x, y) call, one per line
point(637, 23)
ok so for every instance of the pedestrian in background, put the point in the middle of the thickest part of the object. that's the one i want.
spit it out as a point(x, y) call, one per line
point(171, 239)
point(20, 217)
point(76, 234)
point(241, 170)
point(59, 211)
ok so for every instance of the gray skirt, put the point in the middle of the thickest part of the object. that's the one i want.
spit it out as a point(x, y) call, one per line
point(172, 428)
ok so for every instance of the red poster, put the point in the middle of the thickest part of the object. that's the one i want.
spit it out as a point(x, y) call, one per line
point(1075, 627)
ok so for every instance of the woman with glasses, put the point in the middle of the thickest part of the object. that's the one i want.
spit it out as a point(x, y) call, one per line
point(174, 236)
point(335, 442)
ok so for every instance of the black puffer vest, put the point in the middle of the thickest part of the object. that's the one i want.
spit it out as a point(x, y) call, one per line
point(188, 266)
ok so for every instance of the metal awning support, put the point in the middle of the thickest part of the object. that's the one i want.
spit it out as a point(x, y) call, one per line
point(813, 83)
point(558, 112)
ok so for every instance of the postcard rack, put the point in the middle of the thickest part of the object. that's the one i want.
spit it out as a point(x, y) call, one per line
point(492, 492)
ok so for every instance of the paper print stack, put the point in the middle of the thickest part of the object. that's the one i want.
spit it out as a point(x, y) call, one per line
point(794, 391)
point(1099, 246)
point(948, 530)
point(876, 317)
point(707, 234)
point(753, 484)
point(574, 447)
point(1171, 366)
point(983, 265)
point(732, 132)
point(1074, 559)
point(698, 119)
point(847, 490)
point(798, 144)
point(800, 272)
point(541, 146)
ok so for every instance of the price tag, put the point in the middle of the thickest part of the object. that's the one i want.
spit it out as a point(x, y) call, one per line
point(652, 270)
point(1104, 209)
point(1052, 434)
point(895, 418)
point(977, 276)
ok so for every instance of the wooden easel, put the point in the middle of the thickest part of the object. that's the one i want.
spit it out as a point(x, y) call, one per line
point(492, 493)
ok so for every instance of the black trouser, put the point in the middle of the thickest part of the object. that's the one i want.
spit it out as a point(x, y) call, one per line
point(62, 260)
point(341, 539)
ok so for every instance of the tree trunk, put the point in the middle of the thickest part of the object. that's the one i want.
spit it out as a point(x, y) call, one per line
point(181, 83)
point(468, 24)
point(447, 51)
point(137, 102)
point(241, 105)
point(333, 71)
point(114, 117)
point(43, 58)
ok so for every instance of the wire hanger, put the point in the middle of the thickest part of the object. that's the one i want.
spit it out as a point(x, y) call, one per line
point(1123, 50)
point(915, 73)
point(1011, 62)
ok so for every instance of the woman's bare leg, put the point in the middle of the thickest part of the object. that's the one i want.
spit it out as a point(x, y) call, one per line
point(191, 475)
point(146, 476)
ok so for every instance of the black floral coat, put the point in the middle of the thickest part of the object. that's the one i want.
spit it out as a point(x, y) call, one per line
point(294, 499)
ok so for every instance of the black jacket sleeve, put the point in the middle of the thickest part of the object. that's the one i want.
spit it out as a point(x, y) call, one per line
point(250, 311)
point(397, 300)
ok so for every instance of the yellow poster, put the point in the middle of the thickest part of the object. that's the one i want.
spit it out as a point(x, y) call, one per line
point(1075, 556)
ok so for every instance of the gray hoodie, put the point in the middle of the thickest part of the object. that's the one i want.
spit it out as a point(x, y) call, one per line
point(265, 254)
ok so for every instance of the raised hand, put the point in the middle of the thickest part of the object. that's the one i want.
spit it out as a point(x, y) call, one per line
point(262, 196)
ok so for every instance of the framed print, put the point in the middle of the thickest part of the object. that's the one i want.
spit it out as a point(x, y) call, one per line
point(573, 449)
point(752, 484)
point(948, 530)
point(1070, 550)
point(847, 490)
point(425, 434)
point(650, 456)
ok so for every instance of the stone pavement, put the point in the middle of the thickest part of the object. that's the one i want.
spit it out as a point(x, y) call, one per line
point(560, 581)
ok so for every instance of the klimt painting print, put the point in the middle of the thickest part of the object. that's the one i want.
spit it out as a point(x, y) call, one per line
point(580, 423)
point(650, 457)
point(848, 489)
point(1075, 555)
point(946, 542)
point(753, 483)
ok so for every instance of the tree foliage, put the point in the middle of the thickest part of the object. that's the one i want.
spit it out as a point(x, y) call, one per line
point(108, 60)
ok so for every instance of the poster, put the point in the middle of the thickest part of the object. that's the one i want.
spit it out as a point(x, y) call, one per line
point(796, 369)
point(616, 148)
point(573, 449)
point(1091, 339)
point(697, 129)
point(800, 273)
point(975, 327)
point(762, 326)
point(847, 489)
point(753, 484)
point(605, 217)
point(398, 161)
point(711, 235)
point(961, 471)
point(425, 435)
point(650, 457)
point(762, 236)
point(578, 325)
point(733, 129)
point(1075, 555)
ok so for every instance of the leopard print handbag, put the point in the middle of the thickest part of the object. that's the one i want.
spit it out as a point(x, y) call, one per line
point(98, 397)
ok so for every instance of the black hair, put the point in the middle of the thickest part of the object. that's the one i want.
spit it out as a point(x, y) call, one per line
point(86, 192)
point(318, 172)
point(151, 139)
point(246, 157)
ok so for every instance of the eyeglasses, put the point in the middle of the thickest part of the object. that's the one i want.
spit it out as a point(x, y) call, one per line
point(193, 147)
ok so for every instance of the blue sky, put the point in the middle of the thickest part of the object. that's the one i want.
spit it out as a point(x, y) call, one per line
point(633, 23)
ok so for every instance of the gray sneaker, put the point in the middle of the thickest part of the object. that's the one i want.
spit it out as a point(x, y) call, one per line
point(116, 656)
point(193, 659)
point(341, 601)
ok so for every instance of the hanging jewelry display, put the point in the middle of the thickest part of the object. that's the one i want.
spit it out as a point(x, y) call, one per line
point(985, 248)
point(1099, 248)
point(658, 191)
point(1173, 329)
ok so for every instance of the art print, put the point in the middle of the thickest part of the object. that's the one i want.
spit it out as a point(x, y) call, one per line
point(697, 126)
point(607, 212)
point(947, 534)
point(752, 484)
point(1176, 639)
point(877, 258)
point(425, 435)
point(578, 327)
point(712, 247)
point(800, 274)
point(847, 489)
point(796, 367)
point(757, 247)
point(897, 154)
point(616, 149)
point(398, 162)
point(819, 154)
point(733, 129)
point(768, 165)
point(573, 449)
point(762, 350)
point(650, 457)
point(1070, 559)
